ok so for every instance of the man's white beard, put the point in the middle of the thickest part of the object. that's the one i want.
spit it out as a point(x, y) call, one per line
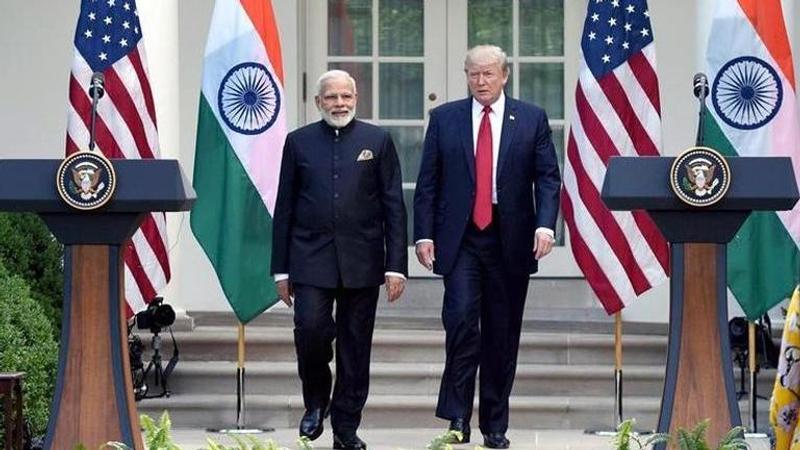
point(337, 122)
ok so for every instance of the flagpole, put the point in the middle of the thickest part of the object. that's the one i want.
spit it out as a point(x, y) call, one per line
point(617, 379)
point(241, 410)
point(618, 368)
point(753, 394)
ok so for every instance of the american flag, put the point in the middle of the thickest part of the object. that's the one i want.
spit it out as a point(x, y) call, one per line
point(616, 112)
point(108, 39)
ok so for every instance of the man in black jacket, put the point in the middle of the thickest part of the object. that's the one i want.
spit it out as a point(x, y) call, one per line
point(339, 232)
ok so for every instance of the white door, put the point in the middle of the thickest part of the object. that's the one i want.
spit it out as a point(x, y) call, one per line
point(407, 57)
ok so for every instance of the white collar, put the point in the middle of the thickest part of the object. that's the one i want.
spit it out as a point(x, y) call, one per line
point(498, 106)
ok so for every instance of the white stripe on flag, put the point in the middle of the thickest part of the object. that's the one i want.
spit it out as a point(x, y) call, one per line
point(133, 296)
point(127, 74)
point(596, 170)
point(645, 112)
point(595, 240)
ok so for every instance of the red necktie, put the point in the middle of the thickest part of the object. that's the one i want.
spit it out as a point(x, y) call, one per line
point(482, 212)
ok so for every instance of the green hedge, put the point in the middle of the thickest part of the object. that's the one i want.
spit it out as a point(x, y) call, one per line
point(27, 345)
point(28, 250)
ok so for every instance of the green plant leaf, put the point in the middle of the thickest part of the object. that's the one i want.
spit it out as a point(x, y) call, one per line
point(304, 443)
point(115, 445)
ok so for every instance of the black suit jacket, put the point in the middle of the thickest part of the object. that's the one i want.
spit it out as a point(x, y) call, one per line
point(528, 182)
point(339, 213)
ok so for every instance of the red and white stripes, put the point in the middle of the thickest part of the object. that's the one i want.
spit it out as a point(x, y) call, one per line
point(622, 254)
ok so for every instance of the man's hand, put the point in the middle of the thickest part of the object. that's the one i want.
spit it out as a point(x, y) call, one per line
point(542, 244)
point(394, 287)
point(285, 291)
point(425, 254)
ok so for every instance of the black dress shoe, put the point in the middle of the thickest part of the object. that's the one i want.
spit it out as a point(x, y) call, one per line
point(462, 426)
point(311, 423)
point(348, 442)
point(495, 440)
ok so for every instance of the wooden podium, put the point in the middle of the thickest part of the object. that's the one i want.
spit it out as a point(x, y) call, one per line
point(699, 375)
point(93, 401)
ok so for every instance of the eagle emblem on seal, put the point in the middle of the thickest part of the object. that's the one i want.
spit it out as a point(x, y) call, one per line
point(86, 177)
point(700, 177)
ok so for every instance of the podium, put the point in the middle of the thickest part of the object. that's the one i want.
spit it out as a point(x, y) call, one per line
point(93, 401)
point(699, 376)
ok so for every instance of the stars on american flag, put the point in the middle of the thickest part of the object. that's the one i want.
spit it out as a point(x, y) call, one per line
point(108, 31)
point(613, 31)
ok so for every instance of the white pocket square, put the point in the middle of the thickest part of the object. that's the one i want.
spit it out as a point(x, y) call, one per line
point(365, 155)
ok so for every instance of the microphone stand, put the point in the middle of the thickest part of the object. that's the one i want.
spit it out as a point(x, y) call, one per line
point(94, 91)
point(701, 120)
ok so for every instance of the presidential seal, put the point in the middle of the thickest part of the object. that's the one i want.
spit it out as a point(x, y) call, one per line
point(700, 176)
point(86, 180)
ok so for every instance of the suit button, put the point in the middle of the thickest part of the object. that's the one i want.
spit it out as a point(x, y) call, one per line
point(335, 157)
point(335, 139)
point(336, 195)
point(336, 176)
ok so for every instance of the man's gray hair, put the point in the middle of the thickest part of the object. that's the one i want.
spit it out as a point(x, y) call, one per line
point(484, 52)
point(332, 74)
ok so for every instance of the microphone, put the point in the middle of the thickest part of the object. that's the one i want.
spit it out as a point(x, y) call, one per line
point(700, 84)
point(700, 88)
point(96, 91)
point(97, 85)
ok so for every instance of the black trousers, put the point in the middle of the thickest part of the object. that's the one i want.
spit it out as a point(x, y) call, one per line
point(314, 332)
point(482, 316)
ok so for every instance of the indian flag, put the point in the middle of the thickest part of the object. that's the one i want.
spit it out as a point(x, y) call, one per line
point(753, 112)
point(240, 134)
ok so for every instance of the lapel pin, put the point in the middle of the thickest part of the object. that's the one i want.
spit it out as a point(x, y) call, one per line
point(510, 117)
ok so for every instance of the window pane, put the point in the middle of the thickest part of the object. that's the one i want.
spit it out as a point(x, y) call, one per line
point(541, 27)
point(401, 90)
point(362, 73)
point(558, 142)
point(408, 141)
point(489, 22)
point(401, 23)
point(543, 84)
point(349, 27)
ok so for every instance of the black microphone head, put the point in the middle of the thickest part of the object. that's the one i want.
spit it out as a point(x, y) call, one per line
point(97, 85)
point(700, 85)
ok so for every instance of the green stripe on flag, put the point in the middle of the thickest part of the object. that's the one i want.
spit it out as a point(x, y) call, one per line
point(231, 222)
point(763, 260)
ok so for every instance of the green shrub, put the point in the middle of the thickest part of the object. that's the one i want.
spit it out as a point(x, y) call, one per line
point(29, 250)
point(27, 345)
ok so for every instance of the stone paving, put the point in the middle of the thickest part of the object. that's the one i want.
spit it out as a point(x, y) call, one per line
point(408, 439)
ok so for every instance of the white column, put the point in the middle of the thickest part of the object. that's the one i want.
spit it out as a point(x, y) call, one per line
point(704, 15)
point(160, 27)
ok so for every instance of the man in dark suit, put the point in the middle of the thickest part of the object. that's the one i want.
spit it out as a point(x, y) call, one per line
point(339, 233)
point(485, 210)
